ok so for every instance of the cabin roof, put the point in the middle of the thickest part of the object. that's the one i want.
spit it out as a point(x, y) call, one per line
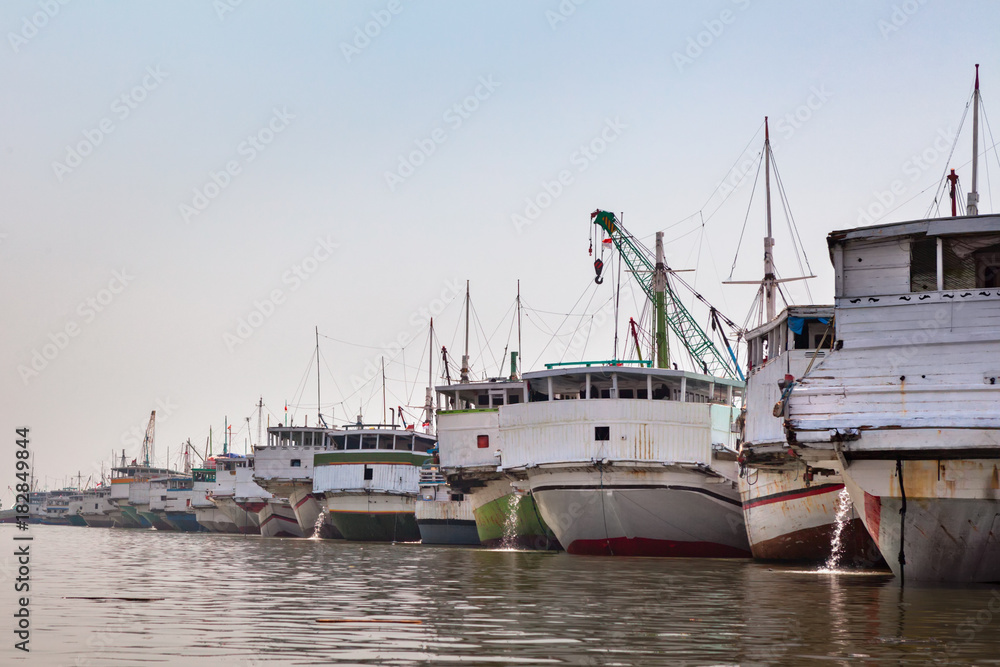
point(977, 224)
point(790, 311)
point(578, 373)
point(478, 387)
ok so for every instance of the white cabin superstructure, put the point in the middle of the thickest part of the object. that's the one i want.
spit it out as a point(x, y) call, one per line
point(468, 428)
point(370, 480)
point(284, 467)
point(237, 494)
point(909, 397)
point(629, 460)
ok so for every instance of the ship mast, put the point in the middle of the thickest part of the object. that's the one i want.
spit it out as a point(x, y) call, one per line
point(465, 357)
point(520, 351)
point(429, 400)
point(973, 207)
point(659, 290)
point(769, 280)
point(319, 407)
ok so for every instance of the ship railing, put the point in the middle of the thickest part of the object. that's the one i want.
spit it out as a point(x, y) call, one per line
point(430, 473)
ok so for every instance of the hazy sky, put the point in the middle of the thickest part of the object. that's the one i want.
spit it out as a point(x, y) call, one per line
point(172, 168)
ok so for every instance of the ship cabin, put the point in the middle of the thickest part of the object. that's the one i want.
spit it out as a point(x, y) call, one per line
point(940, 276)
point(629, 380)
point(486, 395)
point(807, 331)
point(203, 475)
point(382, 436)
point(230, 463)
point(468, 422)
point(778, 352)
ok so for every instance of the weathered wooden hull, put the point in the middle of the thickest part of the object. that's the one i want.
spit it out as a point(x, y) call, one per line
point(185, 522)
point(278, 520)
point(158, 519)
point(247, 523)
point(308, 510)
point(951, 528)
point(508, 520)
point(641, 513)
point(214, 520)
point(374, 517)
point(445, 521)
point(98, 520)
point(789, 519)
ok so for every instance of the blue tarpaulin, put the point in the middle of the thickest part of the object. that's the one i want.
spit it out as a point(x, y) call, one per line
point(796, 324)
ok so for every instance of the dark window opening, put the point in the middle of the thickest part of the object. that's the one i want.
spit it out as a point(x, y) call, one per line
point(513, 399)
point(482, 441)
point(458, 497)
point(296, 463)
point(602, 433)
point(923, 265)
point(605, 393)
point(626, 393)
point(642, 393)
point(369, 472)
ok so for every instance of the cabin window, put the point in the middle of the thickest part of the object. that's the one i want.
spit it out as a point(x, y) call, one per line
point(369, 473)
point(369, 441)
point(513, 398)
point(605, 393)
point(296, 463)
point(971, 262)
point(482, 441)
point(458, 497)
point(923, 264)
point(602, 433)
point(626, 393)
point(483, 400)
point(642, 393)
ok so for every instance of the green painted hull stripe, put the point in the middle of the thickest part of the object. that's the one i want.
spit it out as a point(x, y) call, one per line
point(371, 456)
point(493, 519)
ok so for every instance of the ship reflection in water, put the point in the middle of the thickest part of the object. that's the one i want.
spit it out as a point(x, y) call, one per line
point(247, 601)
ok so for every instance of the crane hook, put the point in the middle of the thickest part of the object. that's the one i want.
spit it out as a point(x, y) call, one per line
point(598, 267)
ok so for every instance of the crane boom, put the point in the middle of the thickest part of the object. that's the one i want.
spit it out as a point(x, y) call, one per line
point(639, 261)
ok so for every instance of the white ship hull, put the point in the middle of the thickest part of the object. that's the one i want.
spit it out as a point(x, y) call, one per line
point(790, 519)
point(443, 520)
point(278, 520)
point(246, 523)
point(308, 510)
point(641, 513)
point(214, 520)
point(951, 528)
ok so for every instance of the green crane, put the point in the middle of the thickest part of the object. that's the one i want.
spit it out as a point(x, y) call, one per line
point(652, 277)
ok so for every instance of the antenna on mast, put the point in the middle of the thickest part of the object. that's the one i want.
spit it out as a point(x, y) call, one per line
point(973, 203)
point(319, 406)
point(516, 371)
point(465, 357)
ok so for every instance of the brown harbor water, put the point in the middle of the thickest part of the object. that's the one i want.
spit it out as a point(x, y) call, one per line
point(249, 602)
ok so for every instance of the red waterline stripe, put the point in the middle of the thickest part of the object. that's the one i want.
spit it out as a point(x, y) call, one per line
point(792, 495)
point(278, 516)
